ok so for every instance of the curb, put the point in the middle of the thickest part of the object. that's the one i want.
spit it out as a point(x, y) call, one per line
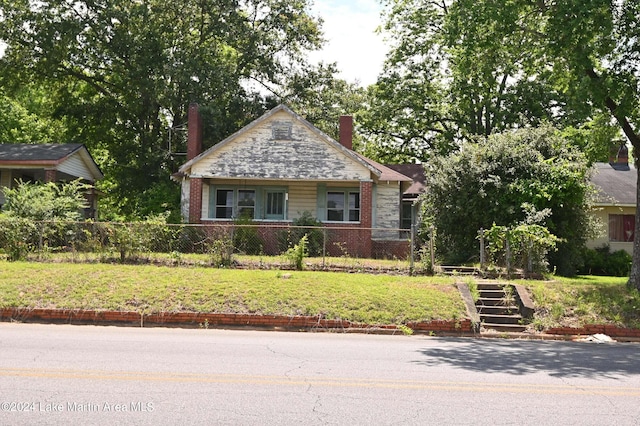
point(440, 328)
point(549, 336)
point(219, 320)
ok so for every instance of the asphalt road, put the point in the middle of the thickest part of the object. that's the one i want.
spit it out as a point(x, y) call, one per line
point(57, 374)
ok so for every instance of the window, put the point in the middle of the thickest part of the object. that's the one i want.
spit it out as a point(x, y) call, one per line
point(235, 202)
point(246, 203)
point(406, 219)
point(230, 203)
point(354, 207)
point(621, 227)
point(224, 204)
point(335, 206)
point(343, 206)
point(274, 208)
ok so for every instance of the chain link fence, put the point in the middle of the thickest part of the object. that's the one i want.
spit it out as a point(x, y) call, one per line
point(219, 244)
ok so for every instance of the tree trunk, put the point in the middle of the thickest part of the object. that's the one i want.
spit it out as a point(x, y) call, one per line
point(634, 276)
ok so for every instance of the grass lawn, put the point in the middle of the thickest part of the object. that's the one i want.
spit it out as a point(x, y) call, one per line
point(378, 298)
point(368, 298)
point(584, 300)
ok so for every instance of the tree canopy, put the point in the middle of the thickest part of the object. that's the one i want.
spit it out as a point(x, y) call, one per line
point(460, 68)
point(123, 73)
point(528, 176)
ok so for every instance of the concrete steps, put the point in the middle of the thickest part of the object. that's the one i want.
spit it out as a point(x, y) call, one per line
point(498, 308)
point(459, 270)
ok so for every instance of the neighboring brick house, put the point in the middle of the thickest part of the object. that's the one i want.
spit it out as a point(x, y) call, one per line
point(280, 166)
point(616, 202)
point(48, 163)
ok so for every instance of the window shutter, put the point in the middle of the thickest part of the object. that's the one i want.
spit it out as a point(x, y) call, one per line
point(212, 202)
point(321, 206)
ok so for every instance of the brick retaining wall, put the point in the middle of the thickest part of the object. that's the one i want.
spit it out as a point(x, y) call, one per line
point(587, 330)
point(192, 319)
point(300, 323)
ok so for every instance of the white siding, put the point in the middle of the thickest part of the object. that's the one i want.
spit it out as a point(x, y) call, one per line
point(387, 209)
point(184, 198)
point(256, 155)
point(302, 197)
point(205, 201)
point(74, 166)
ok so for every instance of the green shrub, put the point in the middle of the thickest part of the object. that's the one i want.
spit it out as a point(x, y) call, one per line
point(297, 253)
point(245, 237)
point(130, 240)
point(601, 261)
point(305, 225)
point(18, 235)
point(221, 252)
point(529, 246)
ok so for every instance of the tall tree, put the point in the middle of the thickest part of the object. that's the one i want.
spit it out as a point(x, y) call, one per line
point(125, 73)
point(452, 73)
point(594, 49)
point(480, 67)
point(26, 117)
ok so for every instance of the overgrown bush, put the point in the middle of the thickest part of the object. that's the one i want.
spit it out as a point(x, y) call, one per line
point(191, 239)
point(46, 201)
point(305, 225)
point(38, 215)
point(221, 252)
point(245, 237)
point(601, 261)
point(503, 180)
point(18, 236)
point(130, 240)
point(297, 253)
point(528, 246)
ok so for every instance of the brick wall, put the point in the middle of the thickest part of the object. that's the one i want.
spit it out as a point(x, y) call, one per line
point(342, 239)
point(390, 249)
point(194, 319)
point(50, 175)
point(587, 330)
point(195, 200)
point(348, 240)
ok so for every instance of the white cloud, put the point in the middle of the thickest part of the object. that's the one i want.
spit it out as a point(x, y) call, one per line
point(349, 28)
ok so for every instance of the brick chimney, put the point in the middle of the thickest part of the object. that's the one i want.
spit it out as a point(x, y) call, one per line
point(619, 157)
point(346, 131)
point(194, 132)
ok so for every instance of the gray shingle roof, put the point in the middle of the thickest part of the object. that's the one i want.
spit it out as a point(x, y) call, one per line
point(37, 152)
point(416, 173)
point(615, 186)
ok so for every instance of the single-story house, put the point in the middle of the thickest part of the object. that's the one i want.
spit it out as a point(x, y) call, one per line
point(280, 166)
point(48, 163)
point(616, 203)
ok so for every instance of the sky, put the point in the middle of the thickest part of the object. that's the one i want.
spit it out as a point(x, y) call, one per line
point(349, 27)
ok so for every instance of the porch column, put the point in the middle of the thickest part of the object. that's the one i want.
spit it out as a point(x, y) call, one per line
point(366, 216)
point(49, 175)
point(195, 200)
